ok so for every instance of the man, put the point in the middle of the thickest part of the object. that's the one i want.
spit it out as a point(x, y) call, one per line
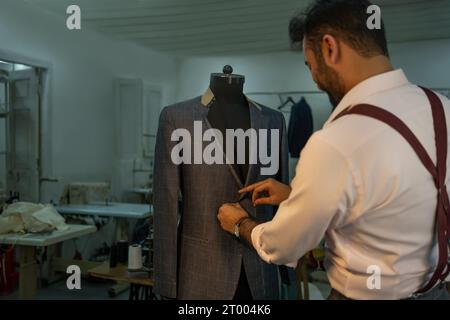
point(361, 181)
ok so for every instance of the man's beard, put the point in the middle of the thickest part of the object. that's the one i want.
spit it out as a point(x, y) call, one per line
point(331, 83)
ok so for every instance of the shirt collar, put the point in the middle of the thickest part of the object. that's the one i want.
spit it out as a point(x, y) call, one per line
point(369, 87)
point(208, 98)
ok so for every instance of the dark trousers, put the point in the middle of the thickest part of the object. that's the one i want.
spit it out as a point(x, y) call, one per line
point(243, 289)
point(439, 292)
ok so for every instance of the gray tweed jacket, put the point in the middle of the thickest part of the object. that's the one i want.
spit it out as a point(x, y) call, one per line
point(193, 257)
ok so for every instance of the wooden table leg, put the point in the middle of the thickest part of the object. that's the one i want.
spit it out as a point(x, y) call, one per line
point(28, 272)
point(54, 252)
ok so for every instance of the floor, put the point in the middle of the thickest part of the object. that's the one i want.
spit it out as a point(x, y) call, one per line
point(98, 290)
point(90, 290)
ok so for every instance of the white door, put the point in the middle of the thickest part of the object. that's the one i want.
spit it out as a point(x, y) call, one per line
point(152, 109)
point(129, 101)
point(3, 135)
point(24, 159)
point(137, 112)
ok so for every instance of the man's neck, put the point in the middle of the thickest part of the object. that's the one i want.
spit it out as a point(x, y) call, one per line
point(364, 69)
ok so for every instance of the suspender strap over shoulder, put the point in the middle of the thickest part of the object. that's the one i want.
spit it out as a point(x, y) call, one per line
point(437, 171)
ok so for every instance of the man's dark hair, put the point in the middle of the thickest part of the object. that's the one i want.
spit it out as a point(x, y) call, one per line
point(344, 19)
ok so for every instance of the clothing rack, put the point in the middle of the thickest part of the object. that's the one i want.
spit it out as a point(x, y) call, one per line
point(281, 94)
point(284, 104)
point(278, 93)
point(444, 91)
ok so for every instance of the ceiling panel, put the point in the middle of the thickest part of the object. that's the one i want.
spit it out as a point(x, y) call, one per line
point(216, 27)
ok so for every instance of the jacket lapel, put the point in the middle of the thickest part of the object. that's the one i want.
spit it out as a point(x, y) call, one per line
point(255, 123)
point(228, 164)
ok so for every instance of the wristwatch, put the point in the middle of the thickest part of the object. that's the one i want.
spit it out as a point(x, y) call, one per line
point(237, 225)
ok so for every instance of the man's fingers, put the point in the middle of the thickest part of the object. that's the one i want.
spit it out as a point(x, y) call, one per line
point(258, 191)
point(247, 189)
point(251, 187)
point(262, 201)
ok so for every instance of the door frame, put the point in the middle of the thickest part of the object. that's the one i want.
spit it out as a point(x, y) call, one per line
point(45, 105)
point(150, 86)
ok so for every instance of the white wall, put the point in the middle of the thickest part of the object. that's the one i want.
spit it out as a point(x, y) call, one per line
point(276, 72)
point(426, 63)
point(266, 72)
point(83, 66)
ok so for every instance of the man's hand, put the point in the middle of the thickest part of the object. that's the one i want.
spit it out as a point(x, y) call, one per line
point(268, 191)
point(229, 215)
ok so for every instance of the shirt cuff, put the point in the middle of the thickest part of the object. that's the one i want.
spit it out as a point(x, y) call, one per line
point(256, 242)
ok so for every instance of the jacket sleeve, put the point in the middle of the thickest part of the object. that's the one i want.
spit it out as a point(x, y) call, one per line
point(166, 186)
point(303, 219)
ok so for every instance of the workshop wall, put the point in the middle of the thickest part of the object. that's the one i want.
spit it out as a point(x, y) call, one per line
point(286, 71)
point(83, 66)
point(426, 63)
point(273, 72)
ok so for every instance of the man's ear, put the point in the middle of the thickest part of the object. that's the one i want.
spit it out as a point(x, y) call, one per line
point(330, 50)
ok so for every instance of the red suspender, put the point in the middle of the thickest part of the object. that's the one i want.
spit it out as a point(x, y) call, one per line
point(438, 171)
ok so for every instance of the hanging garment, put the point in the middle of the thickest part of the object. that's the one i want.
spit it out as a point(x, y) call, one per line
point(301, 127)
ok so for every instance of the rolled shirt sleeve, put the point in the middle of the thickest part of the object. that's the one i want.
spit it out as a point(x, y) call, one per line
point(322, 192)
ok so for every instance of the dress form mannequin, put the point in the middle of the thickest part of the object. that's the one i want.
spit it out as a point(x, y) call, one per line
point(194, 259)
point(230, 109)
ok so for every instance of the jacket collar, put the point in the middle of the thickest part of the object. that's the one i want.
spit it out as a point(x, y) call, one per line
point(208, 98)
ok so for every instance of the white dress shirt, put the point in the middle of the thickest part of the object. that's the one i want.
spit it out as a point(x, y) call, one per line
point(361, 185)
